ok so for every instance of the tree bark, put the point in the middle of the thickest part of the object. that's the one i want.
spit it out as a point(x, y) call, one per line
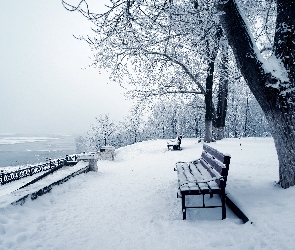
point(278, 107)
point(208, 103)
point(222, 94)
point(246, 117)
point(208, 131)
point(209, 86)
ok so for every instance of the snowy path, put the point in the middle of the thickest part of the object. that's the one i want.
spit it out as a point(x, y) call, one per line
point(131, 204)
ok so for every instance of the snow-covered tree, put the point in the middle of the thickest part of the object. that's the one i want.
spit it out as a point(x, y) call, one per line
point(101, 133)
point(272, 81)
point(133, 124)
point(157, 47)
point(81, 144)
point(147, 34)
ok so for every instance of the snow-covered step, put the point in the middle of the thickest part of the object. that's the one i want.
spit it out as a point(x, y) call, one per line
point(42, 186)
point(15, 185)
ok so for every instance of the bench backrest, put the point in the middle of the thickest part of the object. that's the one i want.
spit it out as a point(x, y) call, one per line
point(214, 161)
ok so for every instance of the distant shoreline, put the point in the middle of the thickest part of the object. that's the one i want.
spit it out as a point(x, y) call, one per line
point(23, 149)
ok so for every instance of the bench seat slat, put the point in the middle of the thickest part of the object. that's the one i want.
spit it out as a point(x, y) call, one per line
point(189, 173)
point(185, 174)
point(199, 171)
point(191, 176)
point(204, 175)
point(185, 177)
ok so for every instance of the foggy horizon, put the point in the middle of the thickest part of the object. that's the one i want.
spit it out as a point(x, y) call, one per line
point(46, 84)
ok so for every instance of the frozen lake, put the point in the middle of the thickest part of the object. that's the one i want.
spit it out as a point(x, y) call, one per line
point(20, 149)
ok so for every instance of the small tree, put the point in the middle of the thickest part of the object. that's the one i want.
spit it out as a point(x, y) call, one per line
point(101, 133)
point(133, 124)
point(81, 144)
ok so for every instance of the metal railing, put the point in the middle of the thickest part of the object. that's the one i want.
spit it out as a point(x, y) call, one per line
point(7, 177)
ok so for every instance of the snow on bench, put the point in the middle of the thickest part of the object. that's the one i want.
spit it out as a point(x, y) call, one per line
point(207, 175)
point(175, 143)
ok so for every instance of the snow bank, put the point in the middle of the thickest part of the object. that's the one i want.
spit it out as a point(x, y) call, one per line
point(131, 203)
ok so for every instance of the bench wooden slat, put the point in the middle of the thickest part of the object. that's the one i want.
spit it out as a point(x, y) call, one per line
point(193, 178)
point(207, 167)
point(217, 165)
point(189, 173)
point(211, 161)
point(219, 156)
point(205, 175)
point(187, 180)
point(225, 159)
point(212, 172)
point(183, 176)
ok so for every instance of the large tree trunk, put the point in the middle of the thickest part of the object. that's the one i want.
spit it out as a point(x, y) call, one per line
point(208, 103)
point(209, 86)
point(246, 117)
point(222, 93)
point(277, 106)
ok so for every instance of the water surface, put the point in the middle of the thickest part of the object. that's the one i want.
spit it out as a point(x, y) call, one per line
point(20, 149)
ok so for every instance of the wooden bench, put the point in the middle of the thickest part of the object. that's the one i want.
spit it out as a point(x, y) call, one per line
point(175, 143)
point(207, 175)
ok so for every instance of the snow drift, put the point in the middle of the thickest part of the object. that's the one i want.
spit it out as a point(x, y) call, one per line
point(131, 203)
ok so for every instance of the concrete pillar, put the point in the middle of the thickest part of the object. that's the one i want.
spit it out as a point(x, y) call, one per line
point(91, 159)
point(93, 164)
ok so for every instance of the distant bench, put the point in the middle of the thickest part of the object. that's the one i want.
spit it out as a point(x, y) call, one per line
point(207, 175)
point(175, 143)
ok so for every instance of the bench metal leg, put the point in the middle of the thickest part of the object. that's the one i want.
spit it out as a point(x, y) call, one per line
point(223, 207)
point(223, 199)
point(204, 200)
point(183, 208)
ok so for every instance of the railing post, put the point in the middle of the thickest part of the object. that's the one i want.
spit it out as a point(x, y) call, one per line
point(92, 160)
point(1, 177)
point(93, 165)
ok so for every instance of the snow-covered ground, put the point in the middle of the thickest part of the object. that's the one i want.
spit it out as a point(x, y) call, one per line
point(131, 203)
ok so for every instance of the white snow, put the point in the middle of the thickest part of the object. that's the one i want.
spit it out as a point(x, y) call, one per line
point(272, 64)
point(275, 66)
point(131, 203)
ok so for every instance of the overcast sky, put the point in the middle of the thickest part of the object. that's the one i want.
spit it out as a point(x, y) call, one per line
point(43, 86)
